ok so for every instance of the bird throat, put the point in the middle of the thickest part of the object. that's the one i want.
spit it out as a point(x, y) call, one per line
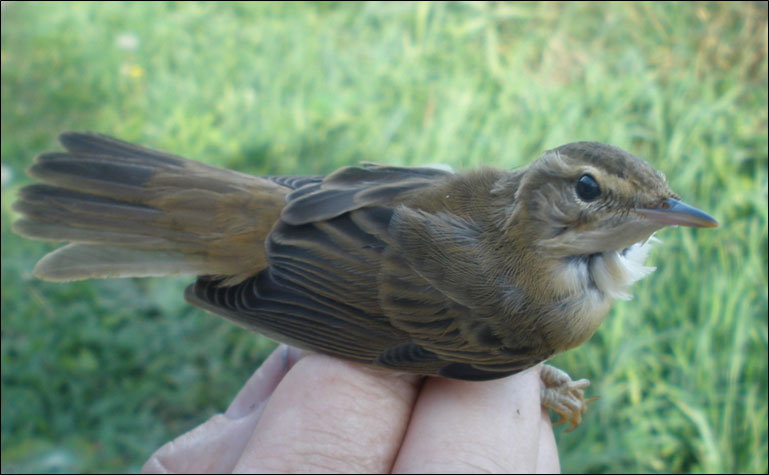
point(604, 276)
point(589, 284)
point(614, 271)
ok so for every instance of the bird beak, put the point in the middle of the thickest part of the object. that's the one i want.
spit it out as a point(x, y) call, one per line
point(673, 212)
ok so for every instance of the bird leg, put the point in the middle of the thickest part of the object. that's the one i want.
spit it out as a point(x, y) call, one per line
point(564, 396)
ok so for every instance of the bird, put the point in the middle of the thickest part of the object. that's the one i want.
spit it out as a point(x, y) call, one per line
point(474, 275)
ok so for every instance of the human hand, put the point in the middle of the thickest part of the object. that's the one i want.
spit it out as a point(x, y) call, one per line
point(313, 413)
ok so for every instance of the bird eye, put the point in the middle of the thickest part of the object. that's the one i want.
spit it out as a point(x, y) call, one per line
point(587, 188)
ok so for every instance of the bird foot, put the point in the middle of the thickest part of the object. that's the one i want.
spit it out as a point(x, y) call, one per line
point(564, 396)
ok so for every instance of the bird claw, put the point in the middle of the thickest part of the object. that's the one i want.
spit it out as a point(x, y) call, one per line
point(564, 396)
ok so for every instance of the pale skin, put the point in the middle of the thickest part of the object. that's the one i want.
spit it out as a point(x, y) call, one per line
point(313, 413)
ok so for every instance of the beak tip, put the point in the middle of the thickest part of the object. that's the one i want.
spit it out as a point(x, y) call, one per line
point(676, 212)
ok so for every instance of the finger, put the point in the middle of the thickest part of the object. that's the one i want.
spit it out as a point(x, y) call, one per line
point(213, 447)
point(329, 415)
point(217, 444)
point(547, 459)
point(263, 382)
point(463, 426)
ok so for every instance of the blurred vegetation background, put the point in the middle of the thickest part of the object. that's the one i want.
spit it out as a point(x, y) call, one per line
point(96, 375)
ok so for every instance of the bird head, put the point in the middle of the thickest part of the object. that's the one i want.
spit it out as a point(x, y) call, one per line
point(588, 198)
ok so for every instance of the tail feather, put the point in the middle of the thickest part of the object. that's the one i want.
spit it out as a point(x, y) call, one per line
point(63, 232)
point(86, 261)
point(133, 211)
point(88, 143)
point(115, 178)
point(51, 204)
point(57, 214)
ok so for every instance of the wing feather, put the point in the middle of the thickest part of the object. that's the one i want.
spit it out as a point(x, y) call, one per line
point(347, 277)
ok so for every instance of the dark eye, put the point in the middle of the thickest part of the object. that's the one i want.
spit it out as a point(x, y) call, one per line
point(587, 188)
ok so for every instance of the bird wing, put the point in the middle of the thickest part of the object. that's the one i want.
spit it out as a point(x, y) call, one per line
point(440, 287)
point(347, 277)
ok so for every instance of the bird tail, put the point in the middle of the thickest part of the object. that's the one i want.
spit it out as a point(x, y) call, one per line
point(130, 211)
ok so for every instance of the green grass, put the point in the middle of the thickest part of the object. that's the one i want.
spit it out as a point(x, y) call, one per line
point(96, 375)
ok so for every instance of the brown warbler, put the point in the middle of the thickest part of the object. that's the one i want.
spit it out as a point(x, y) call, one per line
point(475, 275)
